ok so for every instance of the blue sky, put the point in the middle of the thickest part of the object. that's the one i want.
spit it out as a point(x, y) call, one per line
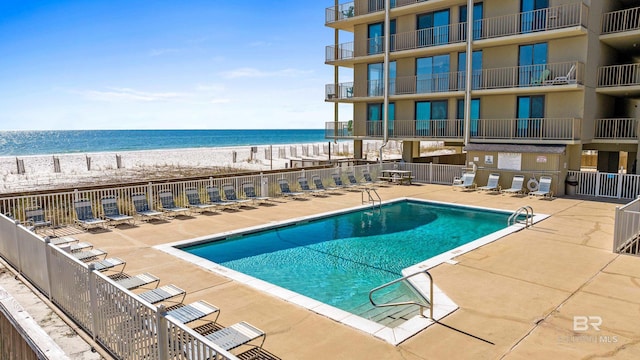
point(134, 64)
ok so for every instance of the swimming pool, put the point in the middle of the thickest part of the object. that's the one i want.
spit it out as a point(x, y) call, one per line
point(338, 259)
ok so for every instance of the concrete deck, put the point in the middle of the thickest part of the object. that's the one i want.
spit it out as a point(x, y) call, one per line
point(517, 296)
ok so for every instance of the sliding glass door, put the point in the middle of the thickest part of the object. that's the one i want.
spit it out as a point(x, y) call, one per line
point(533, 15)
point(433, 28)
point(432, 74)
point(530, 115)
point(375, 117)
point(431, 118)
point(532, 62)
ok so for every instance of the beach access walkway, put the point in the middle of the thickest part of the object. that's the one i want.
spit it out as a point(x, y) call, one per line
point(553, 291)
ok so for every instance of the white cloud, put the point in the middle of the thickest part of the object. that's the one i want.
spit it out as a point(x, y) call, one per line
point(126, 94)
point(220, 101)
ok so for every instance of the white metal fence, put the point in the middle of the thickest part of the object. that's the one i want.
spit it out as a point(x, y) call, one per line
point(607, 185)
point(626, 235)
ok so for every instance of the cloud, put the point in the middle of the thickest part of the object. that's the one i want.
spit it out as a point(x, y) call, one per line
point(256, 73)
point(220, 101)
point(126, 94)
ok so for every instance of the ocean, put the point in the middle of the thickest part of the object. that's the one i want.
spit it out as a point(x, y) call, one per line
point(19, 143)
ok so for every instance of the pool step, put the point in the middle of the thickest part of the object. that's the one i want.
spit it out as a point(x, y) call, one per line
point(389, 316)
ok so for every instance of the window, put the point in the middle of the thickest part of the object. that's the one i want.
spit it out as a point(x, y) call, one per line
point(375, 78)
point(374, 119)
point(431, 118)
point(530, 115)
point(477, 21)
point(376, 37)
point(533, 15)
point(476, 73)
point(532, 60)
point(432, 74)
point(475, 116)
point(433, 28)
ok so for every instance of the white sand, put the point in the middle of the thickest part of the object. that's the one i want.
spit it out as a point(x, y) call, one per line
point(40, 173)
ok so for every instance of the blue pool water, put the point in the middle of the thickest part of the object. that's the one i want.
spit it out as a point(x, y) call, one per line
point(338, 259)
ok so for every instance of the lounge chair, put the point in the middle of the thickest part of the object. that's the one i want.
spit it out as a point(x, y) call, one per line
point(516, 185)
point(492, 183)
point(89, 255)
point(304, 186)
point(163, 293)
point(467, 181)
point(337, 180)
point(111, 211)
point(84, 215)
point(563, 79)
point(35, 219)
point(193, 197)
point(194, 311)
point(285, 190)
point(353, 181)
point(230, 195)
point(142, 207)
point(63, 240)
point(168, 204)
point(317, 182)
point(110, 263)
point(250, 193)
point(544, 188)
point(369, 180)
point(234, 336)
point(544, 75)
point(138, 281)
point(80, 246)
point(215, 199)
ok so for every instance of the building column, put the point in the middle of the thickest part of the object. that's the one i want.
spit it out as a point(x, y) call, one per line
point(357, 149)
point(410, 150)
point(573, 158)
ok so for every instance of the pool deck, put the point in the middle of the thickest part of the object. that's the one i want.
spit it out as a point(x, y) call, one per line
point(517, 296)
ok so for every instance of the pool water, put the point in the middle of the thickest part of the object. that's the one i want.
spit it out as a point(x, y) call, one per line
point(338, 259)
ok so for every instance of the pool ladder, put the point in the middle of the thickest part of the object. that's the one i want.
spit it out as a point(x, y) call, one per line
point(370, 198)
point(524, 210)
point(426, 303)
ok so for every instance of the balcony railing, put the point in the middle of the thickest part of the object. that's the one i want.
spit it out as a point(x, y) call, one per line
point(341, 52)
point(622, 20)
point(552, 18)
point(616, 129)
point(435, 36)
point(539, 129)
point(510, 77)
point(342, 12)
point(527, 129)
point(619, 75)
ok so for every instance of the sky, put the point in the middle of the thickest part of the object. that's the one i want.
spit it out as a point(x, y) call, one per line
point(164, 64)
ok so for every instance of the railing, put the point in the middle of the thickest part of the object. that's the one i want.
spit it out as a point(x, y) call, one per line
point(342, 91)
point(428, 302)
point(114, 317)
point(527, 129)
point(530, 75)
point(429, 83)
point(527, 211)
point(619, 75)
point(558, 17)
point(343, 51)
point(342, 12)
point(622, 20)
point(370, 199)
point(442, 129)
point(626, 232)
point(339, 129)
point(606, 185)
point(616, 129)
point(435, 36)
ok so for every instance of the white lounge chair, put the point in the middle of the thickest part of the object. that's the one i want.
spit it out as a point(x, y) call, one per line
point(304, 186)
point(544, 188)
point(194, 311)
point(516, 185)
point(285, 190)
point(89, 255)
point(193, 198)
point(163, 293)
point(111, 211)
point(110, 263)
point(317, 182)
point(353, 182)
point(492, 183)
point(142, 207)
point(369, 180)
point(230, 195)
point(250, 193)
point(467, 181)
point(84, 215)
point(563, 79)
point(138, 281)
point(35, 219)
point(168, 204)
point(237, 335)
point(215, 199)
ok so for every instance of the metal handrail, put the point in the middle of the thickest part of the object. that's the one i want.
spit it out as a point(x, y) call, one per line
point(371, 199)
point(422, 306)
point(528, 221)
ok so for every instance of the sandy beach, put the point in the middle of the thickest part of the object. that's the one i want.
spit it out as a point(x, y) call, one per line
point(41, 172)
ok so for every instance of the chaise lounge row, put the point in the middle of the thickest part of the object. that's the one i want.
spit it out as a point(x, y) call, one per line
point(467, 181)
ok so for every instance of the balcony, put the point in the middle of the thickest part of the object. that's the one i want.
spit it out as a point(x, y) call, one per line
point(619, 80)
point(540, 130)
point(616, 130)
point(341, 52)
point(543, 130)
point(545, 78)
point(435, 36)
point(621, 21)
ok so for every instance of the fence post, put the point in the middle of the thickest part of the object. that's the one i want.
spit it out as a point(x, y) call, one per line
point(616, 228)
point(47, 256)
point(15, 237)
point(430, 176)
point(150, 196)
point(93, 297)
point(619, 191)
point(163, 333)
point(597, 183)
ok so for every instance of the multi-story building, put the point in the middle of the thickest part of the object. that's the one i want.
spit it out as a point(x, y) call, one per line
point(549, 79)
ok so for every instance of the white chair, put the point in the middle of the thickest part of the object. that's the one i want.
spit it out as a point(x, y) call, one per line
point(544, 188)
point(467, 181)
point(516, 185)
point(563, 79)
point(492, 183)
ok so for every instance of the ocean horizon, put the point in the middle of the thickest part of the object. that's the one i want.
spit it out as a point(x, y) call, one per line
point(43, 142)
